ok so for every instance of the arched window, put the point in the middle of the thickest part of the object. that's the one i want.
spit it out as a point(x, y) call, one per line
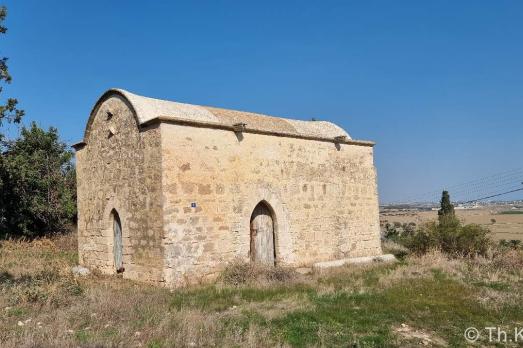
point(262, 235)
point(117, 243)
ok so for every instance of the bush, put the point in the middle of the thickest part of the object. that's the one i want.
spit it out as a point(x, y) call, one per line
point(451, 237)
point(37, 184)
point(510, 244)
point(447, 234)
point(422, 241)
point(399, 230)
point(474, 240)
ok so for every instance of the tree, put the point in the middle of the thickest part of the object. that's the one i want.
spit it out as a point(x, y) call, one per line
point(9, 110)
point(37, 184)
point(448, 234)
point(37, 176)
point(446, 214)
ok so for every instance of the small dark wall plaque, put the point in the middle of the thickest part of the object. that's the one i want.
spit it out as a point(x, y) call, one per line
point(193, 205)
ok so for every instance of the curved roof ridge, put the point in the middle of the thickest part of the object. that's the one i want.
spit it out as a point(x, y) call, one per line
point(148, 109)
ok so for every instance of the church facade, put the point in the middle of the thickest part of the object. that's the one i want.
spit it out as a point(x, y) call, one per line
point(170, 193)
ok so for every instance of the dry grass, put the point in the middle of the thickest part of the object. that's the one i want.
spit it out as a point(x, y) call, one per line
point(497, 278)
point(42, 304)
point(241, 273)
point(424, 266)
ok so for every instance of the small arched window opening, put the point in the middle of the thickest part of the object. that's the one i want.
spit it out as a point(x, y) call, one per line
point(117, 242)
point(262, 248)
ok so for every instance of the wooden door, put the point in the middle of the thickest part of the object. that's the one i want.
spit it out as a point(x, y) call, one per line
point(262, 235)
point(117, 246)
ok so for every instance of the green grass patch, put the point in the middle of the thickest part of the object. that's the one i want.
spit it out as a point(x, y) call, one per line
point(498, 286)
point(369, 276)
point(440, 305)
point(17, 312)
point(155, 344)
point(82, 336)
point(214, 298)
point(358, 312)
point(110, 332)
point(242, 322)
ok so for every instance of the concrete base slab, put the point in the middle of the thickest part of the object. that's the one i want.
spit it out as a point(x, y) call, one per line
point(355, 260)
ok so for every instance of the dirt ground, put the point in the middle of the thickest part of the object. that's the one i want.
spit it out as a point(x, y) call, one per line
point(502, 226)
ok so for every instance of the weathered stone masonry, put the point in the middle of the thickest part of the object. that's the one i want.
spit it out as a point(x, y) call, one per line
point(185, 179)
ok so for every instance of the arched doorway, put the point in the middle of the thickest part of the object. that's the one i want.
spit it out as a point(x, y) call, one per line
point(262, 235)
point(117, 243)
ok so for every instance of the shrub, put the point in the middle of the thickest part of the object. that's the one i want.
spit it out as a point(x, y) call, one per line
point(397, 230)
point(472, 239)
point(510, 244)
point(448, 234)
point(422, 241)
point(451, 237)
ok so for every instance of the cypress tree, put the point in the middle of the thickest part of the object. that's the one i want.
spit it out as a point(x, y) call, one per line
point(446, 213)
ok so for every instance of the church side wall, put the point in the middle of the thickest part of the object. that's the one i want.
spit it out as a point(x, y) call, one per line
point(121, 172)
point(324, 199)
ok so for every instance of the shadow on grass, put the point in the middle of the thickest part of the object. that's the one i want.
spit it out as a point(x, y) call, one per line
point(6, 277)
point(42, 277)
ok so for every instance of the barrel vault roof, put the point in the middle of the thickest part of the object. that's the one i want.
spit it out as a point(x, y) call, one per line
point(148, 110)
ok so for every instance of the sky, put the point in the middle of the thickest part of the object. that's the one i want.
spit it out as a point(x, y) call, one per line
point(437, 85)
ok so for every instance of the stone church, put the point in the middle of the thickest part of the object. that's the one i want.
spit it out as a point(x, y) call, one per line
point(170, 193)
